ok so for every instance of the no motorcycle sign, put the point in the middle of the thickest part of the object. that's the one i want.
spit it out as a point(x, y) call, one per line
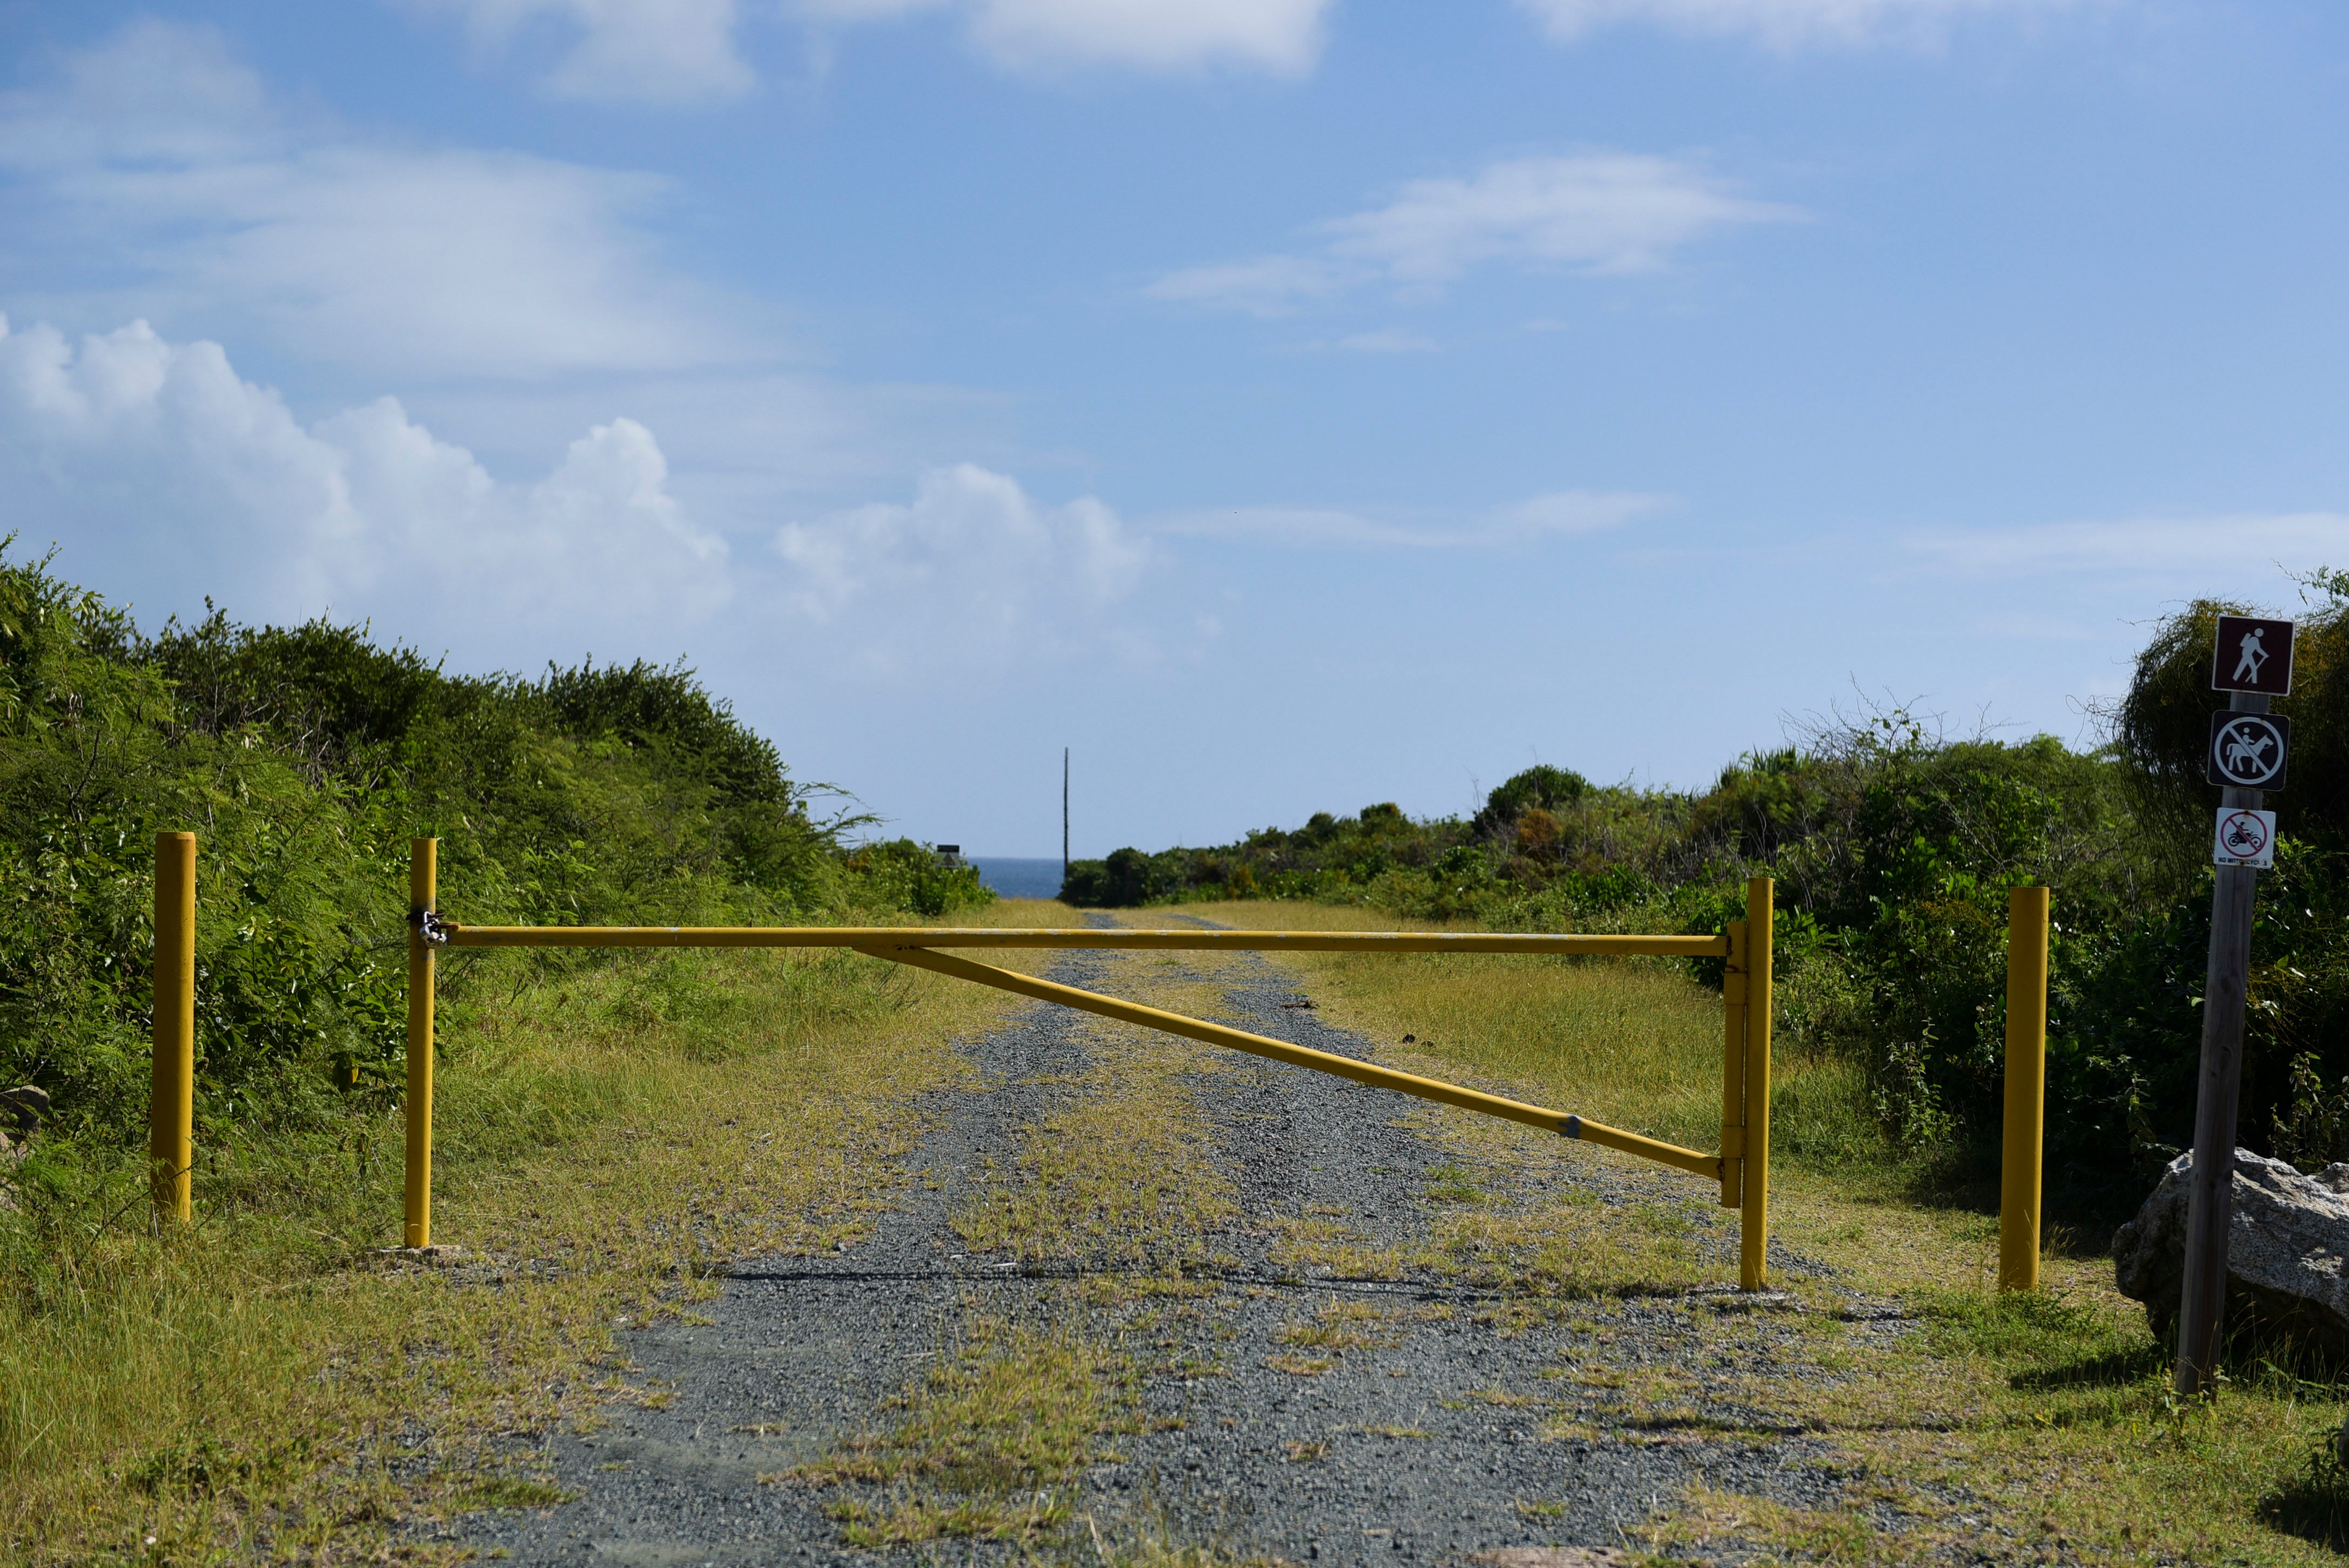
point(2245, 837)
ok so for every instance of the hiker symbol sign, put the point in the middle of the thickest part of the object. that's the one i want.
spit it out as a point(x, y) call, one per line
point(2248, 750)
point(2253, 655)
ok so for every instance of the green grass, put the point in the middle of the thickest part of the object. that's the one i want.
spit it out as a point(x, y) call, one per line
point(2034, 1427)
point(987, 1441)
point(1123, 1177)
point(265, 1384)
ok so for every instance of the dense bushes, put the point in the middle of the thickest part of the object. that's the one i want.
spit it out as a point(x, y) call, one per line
point(1895, 849)
point(305, 757)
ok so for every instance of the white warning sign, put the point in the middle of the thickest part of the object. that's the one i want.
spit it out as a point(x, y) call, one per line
point(2245, 837)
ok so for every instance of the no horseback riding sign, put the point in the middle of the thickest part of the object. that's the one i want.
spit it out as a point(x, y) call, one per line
point(2248, 750)
point(2246, 837)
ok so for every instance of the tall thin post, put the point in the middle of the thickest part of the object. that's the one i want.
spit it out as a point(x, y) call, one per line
point(1753, 1227)
point(423, 876)
point(1732, 1070)
point(2026, 1089)
point(1064, 816)
point(171, 1103)
point(2202, 1305)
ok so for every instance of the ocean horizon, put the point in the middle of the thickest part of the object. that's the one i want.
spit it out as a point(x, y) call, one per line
point(1014, 876)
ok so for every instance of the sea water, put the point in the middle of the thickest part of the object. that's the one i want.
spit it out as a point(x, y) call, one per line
point(1015, 878)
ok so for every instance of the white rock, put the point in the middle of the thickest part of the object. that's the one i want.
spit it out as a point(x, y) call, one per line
point(2287, 1250)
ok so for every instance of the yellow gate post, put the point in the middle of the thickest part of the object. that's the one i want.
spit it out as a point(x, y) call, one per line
point(171, 1102)
point(1732, 1070)
point(423, 866)
point(2026, 1089)
point(1753, 1228)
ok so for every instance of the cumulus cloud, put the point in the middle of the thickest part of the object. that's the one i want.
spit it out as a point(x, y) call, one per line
point(1560, 513)
point(661, 52)
point(1783, 24)
point(158, 460)
point(973, 567)
point(161, 150)
point(1595, 213)
point(167, 477)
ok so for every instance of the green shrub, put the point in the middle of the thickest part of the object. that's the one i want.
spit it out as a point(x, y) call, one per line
point(304, 758)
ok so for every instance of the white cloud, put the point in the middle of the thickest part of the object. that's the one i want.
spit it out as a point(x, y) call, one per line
point(1269, 285)
point(156, 461)
point(161, 151)
point(972, 569)
point(1284, 37)
point(685, 52)
point(1280, 35)
point(1590, 212)
point(167, 478)
point(1598, 212)
point(2228, 550)
point(1562, 513)
point(662, 52)
point(1783, 24)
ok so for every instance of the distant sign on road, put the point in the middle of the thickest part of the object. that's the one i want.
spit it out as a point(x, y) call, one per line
point(2248, 750)
point(2244, 839)
point(2253, 655)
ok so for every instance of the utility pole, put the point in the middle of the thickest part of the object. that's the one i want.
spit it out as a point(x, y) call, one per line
point(2248, 665)
point(1064, 816)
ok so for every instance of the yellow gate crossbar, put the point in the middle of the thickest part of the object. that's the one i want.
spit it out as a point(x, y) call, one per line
point(865, 937)
point(1742, 1167)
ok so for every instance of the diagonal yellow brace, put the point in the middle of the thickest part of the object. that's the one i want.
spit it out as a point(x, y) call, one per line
point(1672, 1154)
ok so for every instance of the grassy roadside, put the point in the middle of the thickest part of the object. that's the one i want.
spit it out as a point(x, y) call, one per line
point(269, 1387)
point(1980, 1426)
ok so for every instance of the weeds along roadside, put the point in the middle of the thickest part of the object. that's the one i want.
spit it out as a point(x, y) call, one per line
point(2029, 1425)
point(266, 1383)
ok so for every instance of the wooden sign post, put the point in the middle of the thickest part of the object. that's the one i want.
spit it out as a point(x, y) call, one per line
point(2253, 661)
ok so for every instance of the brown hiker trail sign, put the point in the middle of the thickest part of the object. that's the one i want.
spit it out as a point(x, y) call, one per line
point(2248, 750)
point(2252, 656)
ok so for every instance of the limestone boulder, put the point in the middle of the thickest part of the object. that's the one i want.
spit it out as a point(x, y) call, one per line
point(2287, 1252)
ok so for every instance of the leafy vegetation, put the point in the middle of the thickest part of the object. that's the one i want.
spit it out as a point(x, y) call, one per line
point(305, 757)
point(1894, 848)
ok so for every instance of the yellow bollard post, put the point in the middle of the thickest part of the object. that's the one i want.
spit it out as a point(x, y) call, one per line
point(423, 866)
point(2026, 1089)
point(171, 1101)
point(1732, 1070)
point(1754, 1229)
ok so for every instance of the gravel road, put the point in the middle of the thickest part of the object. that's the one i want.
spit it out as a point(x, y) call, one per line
point(1458, 1429)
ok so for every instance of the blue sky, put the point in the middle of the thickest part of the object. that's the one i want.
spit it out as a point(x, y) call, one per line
point(1286, 403)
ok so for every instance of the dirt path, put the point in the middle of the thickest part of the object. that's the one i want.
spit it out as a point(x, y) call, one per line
point(1328, 1329)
